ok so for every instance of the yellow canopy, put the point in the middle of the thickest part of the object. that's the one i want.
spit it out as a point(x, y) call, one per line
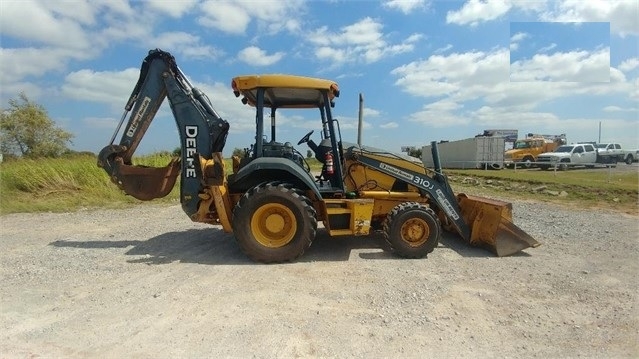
point(284, 91)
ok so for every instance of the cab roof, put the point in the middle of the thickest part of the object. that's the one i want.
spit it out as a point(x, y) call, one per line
point(284, 91)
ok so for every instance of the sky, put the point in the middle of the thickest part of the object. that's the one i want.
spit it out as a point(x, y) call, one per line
point(427, 70)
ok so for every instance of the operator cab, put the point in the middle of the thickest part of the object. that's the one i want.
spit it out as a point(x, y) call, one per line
point(276, 92)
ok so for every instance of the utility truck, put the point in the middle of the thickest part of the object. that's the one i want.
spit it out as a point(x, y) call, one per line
point(525, 151)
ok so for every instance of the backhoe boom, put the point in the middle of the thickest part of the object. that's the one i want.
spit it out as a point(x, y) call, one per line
point(202, 134)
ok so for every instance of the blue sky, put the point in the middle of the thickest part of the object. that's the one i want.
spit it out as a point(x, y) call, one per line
point(428, 70)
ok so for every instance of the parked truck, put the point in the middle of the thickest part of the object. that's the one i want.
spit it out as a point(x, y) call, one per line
point(631, 156)
point(525, 151)
point(579, 154)
point(612, 153)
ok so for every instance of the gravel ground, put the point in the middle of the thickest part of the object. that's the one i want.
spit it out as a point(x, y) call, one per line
point(146, 282)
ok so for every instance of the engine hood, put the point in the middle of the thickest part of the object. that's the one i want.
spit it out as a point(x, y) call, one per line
point(555, 154)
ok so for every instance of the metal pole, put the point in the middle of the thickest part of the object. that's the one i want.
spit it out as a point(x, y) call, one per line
point(599, 141)
point(361, 120)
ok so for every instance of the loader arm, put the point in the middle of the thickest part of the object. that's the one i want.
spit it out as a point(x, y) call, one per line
point(479, 221)
point(439, 192)
point(202, 136)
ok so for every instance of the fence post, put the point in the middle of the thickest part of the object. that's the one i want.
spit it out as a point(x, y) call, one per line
point(609, 172)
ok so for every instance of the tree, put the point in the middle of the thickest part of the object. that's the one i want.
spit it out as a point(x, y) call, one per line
point(239, 152)
point(415, 152)
point(27, 130)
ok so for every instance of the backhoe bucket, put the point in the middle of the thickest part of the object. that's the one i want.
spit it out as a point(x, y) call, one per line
point(146, 183)
point(492, 227)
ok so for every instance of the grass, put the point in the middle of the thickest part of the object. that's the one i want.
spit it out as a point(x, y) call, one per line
point(598, 188)
point(63, 184)
point(69, 184)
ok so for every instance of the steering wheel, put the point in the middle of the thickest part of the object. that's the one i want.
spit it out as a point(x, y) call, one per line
point(305, 138)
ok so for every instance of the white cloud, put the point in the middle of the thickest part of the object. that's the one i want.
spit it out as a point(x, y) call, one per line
point(173, 8)
point(475, 11)
point(389, 125)
point(406, 6)
point(444, 75)
point(331, 54)
point(108, 87)
point(21, 63)
point(19, 17)
point(82, 11)
point(235, 17)
point(618, 109)
point(441, 50)
point(362, 41)
point(499, 117)
point(440, 114)
point(548, 48)
point(629, 64)
point(369, 112)
point(185, 44)
point(255, 56)
point(519, 36)
point(515, 39)
point(227, 17)
point(10, 90)
point(579, 66)
point(622, 14)
point(474, 88)
point(229, 107)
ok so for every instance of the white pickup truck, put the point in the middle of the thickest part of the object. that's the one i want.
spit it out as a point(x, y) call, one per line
point(631, 156)
point(579, 154)
point(613, 153)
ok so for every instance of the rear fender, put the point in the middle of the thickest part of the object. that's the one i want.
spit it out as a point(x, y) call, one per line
point(271, 169)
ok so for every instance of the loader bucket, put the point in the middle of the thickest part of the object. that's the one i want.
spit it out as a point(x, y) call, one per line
point(491, 225)
point(146, 183)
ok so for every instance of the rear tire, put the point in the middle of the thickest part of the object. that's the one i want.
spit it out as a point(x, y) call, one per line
point(629, 160)
point(412, 230)
point(273, 222)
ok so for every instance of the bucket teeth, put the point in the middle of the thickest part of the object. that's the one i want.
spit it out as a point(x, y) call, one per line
point(511, 239)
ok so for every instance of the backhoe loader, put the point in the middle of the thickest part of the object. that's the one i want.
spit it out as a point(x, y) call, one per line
point(270, 199)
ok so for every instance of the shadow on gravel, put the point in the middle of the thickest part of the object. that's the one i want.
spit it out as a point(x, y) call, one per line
point(214, 247)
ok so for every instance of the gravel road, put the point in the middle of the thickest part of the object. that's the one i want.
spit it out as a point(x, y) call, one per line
point(146, 282)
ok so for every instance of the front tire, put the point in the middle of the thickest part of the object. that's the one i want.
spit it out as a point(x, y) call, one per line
point(273, 222)
point(528, 161)
point(412, 230)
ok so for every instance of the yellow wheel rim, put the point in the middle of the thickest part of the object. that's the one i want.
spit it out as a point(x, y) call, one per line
point(273, 225)
point(415, 232)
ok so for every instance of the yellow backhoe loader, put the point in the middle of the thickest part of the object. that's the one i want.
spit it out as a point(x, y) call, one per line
point(270, 199)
